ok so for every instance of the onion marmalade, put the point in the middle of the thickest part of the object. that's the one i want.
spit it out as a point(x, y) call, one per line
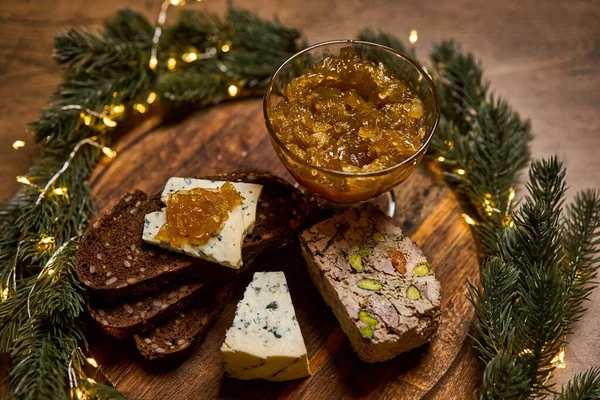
point(350, 114)
point(196, 215)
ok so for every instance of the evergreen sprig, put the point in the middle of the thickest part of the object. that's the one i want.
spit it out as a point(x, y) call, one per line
point(542, 257)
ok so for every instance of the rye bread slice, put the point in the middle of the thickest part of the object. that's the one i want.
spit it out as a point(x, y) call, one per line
point(126, 319)
point(115, 264)
point(176, 337)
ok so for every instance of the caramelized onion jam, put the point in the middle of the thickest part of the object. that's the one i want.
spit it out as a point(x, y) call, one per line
point(350, 114)
point(196, 215)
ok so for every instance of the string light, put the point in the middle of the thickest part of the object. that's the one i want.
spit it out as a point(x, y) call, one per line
point(117, 109)
point(50, 272)
point(47, 240)
point(24, 180)
point(45, 243)
point(60, 191)
point(153, 63)
point(18, 144)
point(151, 98)
point(139, 108)
point(171, 63)
point(109, 122)
point(189, 57)
point(79, 393)
point(449, 143)
point(232, 90)
point(92, 362)
point(90, 380)
point(441, 159)
point(108, 152)
point(226, 47)
point(460, 171)
point(511, 194)
point(5, 294)
point(87, 119)
point(469, 220)
point(177, 2)
point(559, 360)
point(413, 37)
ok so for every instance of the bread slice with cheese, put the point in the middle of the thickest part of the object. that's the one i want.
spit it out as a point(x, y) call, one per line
point(264, 341)
point(376, 280)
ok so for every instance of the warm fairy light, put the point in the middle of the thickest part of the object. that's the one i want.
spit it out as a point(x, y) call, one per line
point(153, 62)
point(441, 159)
point(413, 37)
point(118, 109)
point(511, 194)
point(5, 294)
point(79, 394)
point(90, 380)
point(559, 360)
point(60, 191)
point(24, 180)
point(507, 221)
point(18, 144)
point(469, 220)
point(177, 2)
point(47, 240)
point(50, 272)
point(108, 152)
point(171, 63)
point(225, 48)
point(526, 351)
point(233, 90)
point(151, 98)
point(139, 108)
point(109, 122)
point(189, 57)
point(449, 143)
point(92, 362)
point(87, 119)
point(460, 171)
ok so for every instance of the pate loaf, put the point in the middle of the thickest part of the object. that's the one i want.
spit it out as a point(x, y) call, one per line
point(375, 279)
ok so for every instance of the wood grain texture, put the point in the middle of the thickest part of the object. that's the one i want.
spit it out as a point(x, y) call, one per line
point(542, 57)
point(231, 137)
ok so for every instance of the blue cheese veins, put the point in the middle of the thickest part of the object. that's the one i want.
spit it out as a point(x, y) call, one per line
point(265, 341)
point(226, 247)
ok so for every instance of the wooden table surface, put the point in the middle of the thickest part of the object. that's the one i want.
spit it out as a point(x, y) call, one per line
point(543, 57)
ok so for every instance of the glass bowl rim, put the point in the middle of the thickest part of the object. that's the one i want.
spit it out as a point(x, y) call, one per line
point(424, 146)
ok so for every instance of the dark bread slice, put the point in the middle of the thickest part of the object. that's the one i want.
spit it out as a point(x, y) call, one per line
point(176, 337)
point(127, 319)
point(115, 264)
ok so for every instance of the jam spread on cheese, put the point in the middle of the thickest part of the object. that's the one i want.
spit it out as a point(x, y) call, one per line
point(347, 113)
point(196, 215)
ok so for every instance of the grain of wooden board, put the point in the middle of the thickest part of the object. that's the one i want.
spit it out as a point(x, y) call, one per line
point(232, 137)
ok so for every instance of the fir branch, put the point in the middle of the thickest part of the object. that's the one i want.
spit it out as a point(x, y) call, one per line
point(384, 39)
point(581, 243)
point(584, 386)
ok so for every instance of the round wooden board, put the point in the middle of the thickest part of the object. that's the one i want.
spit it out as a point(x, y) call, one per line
point(233, 137)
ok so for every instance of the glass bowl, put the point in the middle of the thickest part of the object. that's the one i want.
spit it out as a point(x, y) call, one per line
point(351, 187)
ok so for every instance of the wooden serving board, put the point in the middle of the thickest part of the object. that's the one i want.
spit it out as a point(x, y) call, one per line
point(233, 137)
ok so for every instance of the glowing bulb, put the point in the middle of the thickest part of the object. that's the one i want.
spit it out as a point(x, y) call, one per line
point(90, 380)
point(153, 62)
point(115, 94)
point(108, 152)
point(177, 2)
point(5, 294)
point(413, 37)
point(233, 90)
point(109, 122)
point(50, 272)
point(460, 171)
point(559, 360)
point(87, 120)
point(151, 98)
point(79, 393)
point(18, 144)
point(189, 57)
point(171, 63)
point(469, 220)
point(47, 240)
point(24, 180)
point(118, 109)
point(225, 48)
point(60, 191)
point(511, 194)
point(449, 143)
point(441, 159)
point(139, 108)
point(92, 362)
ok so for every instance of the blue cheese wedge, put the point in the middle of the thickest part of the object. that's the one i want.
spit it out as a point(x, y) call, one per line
point(250, 192)
point(226, 247)
point(265, 341)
